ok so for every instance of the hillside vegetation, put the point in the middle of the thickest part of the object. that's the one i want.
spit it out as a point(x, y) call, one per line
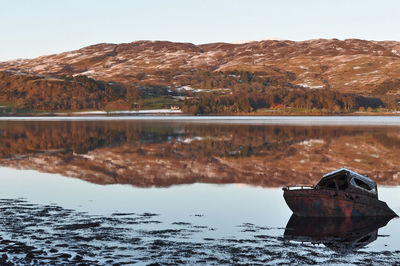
point(321, 75)
point(64, 93)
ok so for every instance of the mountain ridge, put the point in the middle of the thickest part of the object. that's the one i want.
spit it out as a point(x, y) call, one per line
point(351, 66)
point(121, 62)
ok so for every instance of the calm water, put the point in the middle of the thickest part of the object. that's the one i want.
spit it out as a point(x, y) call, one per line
point(194, 191)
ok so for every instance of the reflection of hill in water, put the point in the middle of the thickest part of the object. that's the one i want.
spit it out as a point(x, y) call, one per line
point(167, 153)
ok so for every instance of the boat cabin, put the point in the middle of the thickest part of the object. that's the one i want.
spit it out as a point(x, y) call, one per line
point(346, 180)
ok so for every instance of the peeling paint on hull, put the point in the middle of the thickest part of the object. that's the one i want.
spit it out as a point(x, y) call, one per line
point(330, 203)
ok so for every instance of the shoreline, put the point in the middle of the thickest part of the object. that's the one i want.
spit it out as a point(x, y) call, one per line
point(251, 120)
point(173, 112)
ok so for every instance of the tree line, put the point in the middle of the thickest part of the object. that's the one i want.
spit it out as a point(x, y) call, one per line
point(242, 91)
point(64, 92)
point(245, 101)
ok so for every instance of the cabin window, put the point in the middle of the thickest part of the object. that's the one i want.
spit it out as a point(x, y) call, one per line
point(362, 184)
point(342, 182)
point(330, 183)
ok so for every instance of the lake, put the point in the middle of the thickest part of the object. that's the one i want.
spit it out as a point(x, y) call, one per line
point(181, 189)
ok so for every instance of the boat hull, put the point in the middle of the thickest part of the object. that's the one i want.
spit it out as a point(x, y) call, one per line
point(331, 203)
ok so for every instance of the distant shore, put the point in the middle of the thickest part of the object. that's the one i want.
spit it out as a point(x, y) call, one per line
point(251, 120)
point(174, 112)
point(122, 112)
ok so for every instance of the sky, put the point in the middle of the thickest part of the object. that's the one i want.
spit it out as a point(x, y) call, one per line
point(33, 28)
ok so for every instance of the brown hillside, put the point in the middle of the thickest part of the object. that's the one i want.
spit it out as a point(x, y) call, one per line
point(350, 66)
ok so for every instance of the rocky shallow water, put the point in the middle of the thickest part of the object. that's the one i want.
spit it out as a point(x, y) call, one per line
point(49, 234)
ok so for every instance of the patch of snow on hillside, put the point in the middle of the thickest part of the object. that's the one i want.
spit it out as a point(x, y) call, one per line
point(368, 73)
point(39, 68)
point(175, 54)
point(186, 88)
point(100, 53)
point(395, 52)
point(351, 82)
point(311, 142)
point(309, 86)
point(69, 55)
point(214, 53)
point(190, 140)
point(87, 73)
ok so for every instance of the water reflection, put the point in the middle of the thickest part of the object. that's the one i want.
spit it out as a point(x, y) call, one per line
point(156, 153)
point(343, 234)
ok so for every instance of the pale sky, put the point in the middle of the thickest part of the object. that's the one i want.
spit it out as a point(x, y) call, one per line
point(30, 28)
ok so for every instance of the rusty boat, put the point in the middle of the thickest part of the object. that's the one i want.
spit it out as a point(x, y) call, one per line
point(340, 193)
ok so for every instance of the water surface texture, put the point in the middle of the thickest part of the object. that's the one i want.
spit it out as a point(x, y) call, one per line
point(205, 192)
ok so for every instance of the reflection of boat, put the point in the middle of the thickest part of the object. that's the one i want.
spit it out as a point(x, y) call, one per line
point(339, 233)
point(338, 194)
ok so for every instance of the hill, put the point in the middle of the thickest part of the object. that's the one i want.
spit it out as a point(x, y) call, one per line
point(323, 74)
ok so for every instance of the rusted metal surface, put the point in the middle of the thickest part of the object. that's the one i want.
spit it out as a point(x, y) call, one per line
point(341, 193)
point(333, 203)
